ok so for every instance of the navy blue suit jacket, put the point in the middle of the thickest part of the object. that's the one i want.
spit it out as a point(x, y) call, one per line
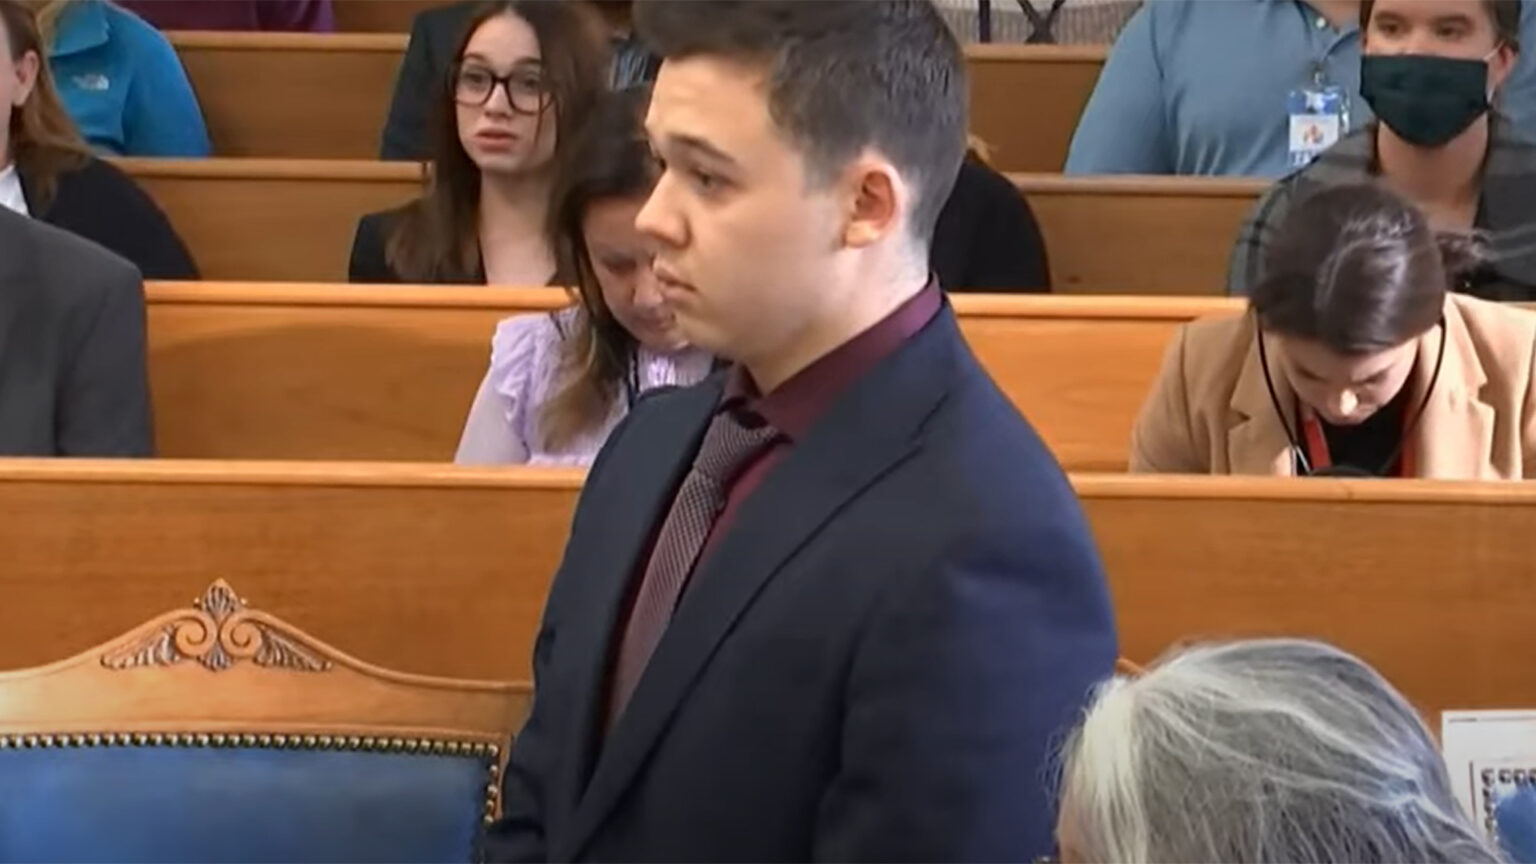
point(874, 663)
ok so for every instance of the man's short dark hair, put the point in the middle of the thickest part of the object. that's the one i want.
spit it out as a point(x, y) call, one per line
point(842, 75)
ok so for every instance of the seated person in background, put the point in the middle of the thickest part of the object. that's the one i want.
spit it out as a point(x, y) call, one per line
point(987, 239)
point(246, 15)
point(1269, 751)
point(1354, 358)
point(1429, 69)
point(1200, 87)
point(526, 76)
point(558, 383)
point(75, 379)
point(47, 171)
point(436, 33)
point(121, 81)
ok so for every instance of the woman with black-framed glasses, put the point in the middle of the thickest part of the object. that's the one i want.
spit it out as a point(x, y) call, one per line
point(525, 77)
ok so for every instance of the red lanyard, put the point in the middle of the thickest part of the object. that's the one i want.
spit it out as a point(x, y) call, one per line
point(1317, 444)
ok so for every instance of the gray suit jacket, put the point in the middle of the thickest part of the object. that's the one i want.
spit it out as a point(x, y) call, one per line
point(74, 380)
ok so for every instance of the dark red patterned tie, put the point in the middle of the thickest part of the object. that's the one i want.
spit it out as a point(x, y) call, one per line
point(727, 448)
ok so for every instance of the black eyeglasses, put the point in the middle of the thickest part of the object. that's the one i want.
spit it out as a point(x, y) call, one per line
point(525, 88)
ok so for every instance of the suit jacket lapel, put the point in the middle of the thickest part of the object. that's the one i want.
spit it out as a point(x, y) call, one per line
point(630, 516)
point(1256, 439)
point(871, 429)
point(1454, 438)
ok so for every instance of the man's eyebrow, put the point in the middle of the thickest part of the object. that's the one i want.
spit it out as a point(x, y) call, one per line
point(1460, 19)
point(699, 145)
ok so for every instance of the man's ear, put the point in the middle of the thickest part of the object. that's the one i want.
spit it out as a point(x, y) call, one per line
point(27, 69)
point(1500, 65)
point(877, 196)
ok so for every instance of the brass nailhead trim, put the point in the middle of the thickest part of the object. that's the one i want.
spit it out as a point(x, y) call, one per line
point(490, 752)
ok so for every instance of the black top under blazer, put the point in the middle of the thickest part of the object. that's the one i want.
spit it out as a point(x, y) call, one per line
point(102, 204)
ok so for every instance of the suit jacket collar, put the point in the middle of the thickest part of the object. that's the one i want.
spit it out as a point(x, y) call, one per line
point(873, 427)
point(1453, 437)
point(628, 530)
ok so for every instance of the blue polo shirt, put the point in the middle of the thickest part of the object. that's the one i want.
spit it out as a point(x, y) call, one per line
point(123, 84)
point(1200, 87)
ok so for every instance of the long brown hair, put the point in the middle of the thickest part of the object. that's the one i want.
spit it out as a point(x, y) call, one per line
point(1358, 269)
point(437, 237)
point(608, 160)
point(43, 139)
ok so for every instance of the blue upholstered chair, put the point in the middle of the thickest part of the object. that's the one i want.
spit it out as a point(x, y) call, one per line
point(1514, 817)
point(220, 733)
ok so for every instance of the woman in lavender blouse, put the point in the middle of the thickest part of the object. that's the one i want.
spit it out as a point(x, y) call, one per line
point(558, 383)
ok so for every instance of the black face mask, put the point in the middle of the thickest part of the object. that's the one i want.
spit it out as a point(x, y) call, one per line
point(1426, 100)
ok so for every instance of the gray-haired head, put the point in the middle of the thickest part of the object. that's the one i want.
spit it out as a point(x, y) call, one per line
point(1259, 751)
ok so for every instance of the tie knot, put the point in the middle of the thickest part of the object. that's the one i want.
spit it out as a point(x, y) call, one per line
point(729, 444)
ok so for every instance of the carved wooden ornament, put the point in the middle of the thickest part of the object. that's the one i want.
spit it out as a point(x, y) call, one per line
point(218, 632)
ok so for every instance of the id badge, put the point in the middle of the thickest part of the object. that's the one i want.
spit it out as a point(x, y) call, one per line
point(1319, 117)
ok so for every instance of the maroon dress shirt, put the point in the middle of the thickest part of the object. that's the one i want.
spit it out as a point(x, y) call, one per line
point(793, 409)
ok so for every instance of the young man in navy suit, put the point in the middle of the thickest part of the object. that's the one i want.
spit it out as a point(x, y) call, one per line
point(838, 601)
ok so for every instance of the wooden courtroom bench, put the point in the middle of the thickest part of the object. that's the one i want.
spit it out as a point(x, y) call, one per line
point(1141, 235)
point(283, 220)
point(243, 371)
point(1026, 100)
point(443, 570)
point(294, 219)
point(326, 95)
point(296, 95)
point(378, 16)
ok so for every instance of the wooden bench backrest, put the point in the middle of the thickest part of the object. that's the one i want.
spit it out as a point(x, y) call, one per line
point(293, 220)
point(388, 373)
point(1139, 235)
point(1026, 100)
point(292, 95)
point(378, 16)
point(277, 220)
point(326, 96)
point(443, 571)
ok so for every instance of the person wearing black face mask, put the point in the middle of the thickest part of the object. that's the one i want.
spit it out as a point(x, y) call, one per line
point(1353, 359)
point(1430, 72)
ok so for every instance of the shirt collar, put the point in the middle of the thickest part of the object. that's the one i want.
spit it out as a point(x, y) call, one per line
point(82, 25)
point(795, 406)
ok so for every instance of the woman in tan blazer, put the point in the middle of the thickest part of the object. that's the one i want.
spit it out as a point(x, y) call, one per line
point(1352, 359)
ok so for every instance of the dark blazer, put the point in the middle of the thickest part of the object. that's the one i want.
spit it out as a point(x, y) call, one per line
point(987, 239)
point(435, 35)
point(102, 204)
point(368, 263)
point(874, 663)
point(73, 374)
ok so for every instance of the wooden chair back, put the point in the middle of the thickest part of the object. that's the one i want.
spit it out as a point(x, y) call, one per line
point(222, 732)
